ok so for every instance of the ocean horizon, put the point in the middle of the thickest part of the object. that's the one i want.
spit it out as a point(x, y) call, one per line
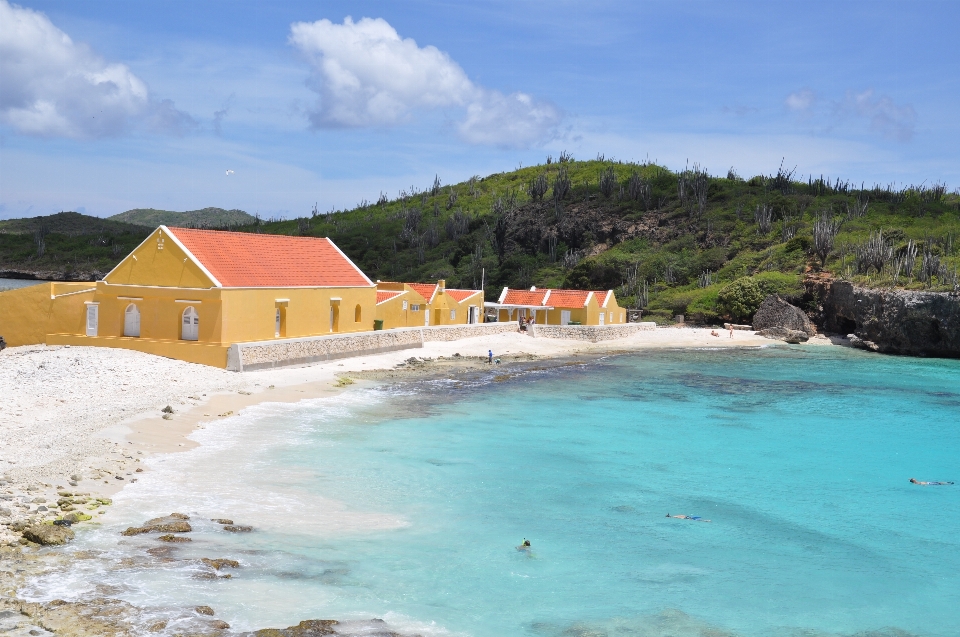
point(408, 501)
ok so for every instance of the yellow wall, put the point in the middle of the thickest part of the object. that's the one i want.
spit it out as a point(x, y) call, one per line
point(166, 266)
point(28, 314)
point(203, 353)
point(161, 311)
point(392, 313)
point(443, 304)
point(249, 314)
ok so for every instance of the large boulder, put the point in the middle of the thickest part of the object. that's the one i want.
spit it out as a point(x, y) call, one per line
point(775, 312)
point(48, 534)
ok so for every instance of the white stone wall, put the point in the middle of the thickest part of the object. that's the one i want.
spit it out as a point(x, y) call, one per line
point(592, 333)
point(301, 351)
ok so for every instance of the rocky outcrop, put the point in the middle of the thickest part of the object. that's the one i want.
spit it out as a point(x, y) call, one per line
point(891, 321)
point(774, 312)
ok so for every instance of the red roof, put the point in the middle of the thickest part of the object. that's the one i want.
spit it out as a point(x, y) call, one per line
point(524, 297)
point(241, 260)
point(461, 295)
point(383, 296)
point(425, 290)
point(601, 296)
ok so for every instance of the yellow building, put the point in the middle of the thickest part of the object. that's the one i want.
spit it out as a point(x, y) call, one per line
point(190, 294)
point(559, 307)
point(425, 304)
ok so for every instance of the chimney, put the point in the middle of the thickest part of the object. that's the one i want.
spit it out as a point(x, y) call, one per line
point(442, 284)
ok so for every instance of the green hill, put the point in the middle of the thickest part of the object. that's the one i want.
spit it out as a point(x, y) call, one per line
point(668, 242)
point(68, 223)
point(205, 218)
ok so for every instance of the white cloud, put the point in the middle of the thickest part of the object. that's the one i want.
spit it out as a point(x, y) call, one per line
point(367, 75)
point(55, 87)
point(885, 117)
point(801, 101)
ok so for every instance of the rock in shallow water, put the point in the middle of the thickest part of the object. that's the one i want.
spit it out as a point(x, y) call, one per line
point(173, 523)
point(173, 538)
point(204, 610)
point(237, 528)
point(48, 535)
point(220, 562)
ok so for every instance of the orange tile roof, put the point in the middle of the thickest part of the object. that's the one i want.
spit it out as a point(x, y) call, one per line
point(425, 290)
point(567, 298)
point(461, 295)
point(240, 259)
point(601, 296)
point(524, 297)
point(383, 296)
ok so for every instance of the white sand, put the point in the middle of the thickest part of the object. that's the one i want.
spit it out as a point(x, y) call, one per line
point(93, 412)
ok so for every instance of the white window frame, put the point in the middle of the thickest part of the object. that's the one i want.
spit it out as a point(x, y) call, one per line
point(414, 308)
point(453, 315)
point(405, 305)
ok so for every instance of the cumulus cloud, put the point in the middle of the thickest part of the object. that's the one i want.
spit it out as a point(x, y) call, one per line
point(54, 87)
point(367, 75)
point(885, 116)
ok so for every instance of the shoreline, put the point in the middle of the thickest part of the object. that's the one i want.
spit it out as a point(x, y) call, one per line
point(121, 442)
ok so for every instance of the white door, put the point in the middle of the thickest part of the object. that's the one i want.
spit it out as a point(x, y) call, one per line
point(191, 325)
point(277, 328)
point(472, 314)
point(131, 321)
point(564, 317)
point(92, 320)
point(602, 315)
point(426, 315)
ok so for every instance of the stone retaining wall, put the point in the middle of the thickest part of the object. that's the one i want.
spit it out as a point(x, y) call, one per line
point(302, 351)
point(592, 333)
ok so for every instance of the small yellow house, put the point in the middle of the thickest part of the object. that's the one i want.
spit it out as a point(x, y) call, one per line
point(190, 294)
point(425, 304)
point(559, 307)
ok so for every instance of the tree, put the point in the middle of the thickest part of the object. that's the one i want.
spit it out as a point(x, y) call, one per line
point(740, 299)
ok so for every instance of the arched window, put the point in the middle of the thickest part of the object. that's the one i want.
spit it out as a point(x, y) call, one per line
point(190, 325)
point(131, 321)
point(356, 314)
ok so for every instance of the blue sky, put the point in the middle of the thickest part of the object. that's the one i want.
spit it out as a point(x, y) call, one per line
point(106, 106)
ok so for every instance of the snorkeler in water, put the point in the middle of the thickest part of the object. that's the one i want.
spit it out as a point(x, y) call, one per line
point(525, 546)
point(695, 518)
point(929, 484)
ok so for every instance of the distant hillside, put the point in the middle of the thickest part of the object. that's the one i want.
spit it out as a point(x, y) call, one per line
point(68, 223)
point(206, 218)
point(670, 242)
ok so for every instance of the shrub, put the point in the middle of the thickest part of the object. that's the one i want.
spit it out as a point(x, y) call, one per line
point(740, 299)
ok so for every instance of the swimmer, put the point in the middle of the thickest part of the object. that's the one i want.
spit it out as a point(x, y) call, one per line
point(695, 518)
point(929, 484)
point(525, 546)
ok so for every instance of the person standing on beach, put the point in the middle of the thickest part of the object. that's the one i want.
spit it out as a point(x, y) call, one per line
point(490, 356)
point(731, 330)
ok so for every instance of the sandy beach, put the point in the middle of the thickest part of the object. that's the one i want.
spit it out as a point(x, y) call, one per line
point(81, 419)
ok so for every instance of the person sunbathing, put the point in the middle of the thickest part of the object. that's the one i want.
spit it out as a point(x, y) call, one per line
point(695, 518)
point(929, 484)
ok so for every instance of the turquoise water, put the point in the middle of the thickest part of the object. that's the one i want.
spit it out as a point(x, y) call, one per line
point(799, 456)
